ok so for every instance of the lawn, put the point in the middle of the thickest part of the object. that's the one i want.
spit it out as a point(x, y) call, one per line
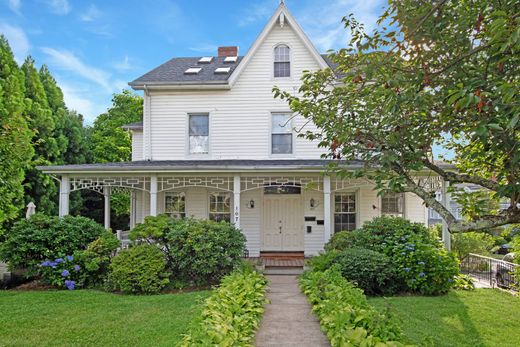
point(483, 317)
point(92, 318)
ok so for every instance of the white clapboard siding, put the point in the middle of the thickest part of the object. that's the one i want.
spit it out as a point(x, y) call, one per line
point(415, 210)
point(251, 220)
point(137, 145)
point(240, 117)
point(314, 240)
point(367, 200)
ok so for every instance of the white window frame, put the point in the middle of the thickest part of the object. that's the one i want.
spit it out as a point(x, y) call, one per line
point(355, 213)
point(188, 149)
point(182, 214)
point(403, 206)
point(293, 137)
point(290, 77)
point(224, 193)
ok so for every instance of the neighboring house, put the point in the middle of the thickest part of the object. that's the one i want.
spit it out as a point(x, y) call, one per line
point(214, 143)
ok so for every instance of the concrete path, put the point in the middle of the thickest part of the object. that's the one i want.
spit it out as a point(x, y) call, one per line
point(288, 320)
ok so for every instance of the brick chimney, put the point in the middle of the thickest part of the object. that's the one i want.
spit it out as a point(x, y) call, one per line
point(228, 51)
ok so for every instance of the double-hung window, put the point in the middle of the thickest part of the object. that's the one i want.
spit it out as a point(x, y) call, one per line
point(392, 204)
point(175, 204)
point(199, 133)
point(281, 134)
point(220, 206)
point(344, 212)
point(282, 61)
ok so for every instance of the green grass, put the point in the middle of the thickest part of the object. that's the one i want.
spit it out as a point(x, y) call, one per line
point(484, 317)
point(92, 318)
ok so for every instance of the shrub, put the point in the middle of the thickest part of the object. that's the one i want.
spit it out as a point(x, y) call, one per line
point(197, 251)
point(344, 312)
point(471, 242)
point(464, 282)
point(418, 257)
point(32, 241)
point(139, 269)
point(232, 313)
point(371, 271)
point(61, 272)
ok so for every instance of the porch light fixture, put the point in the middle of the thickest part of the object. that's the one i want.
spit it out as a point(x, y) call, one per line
point(313, 203)
point(251, 204)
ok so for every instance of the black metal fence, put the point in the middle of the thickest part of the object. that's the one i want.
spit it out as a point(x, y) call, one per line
point(496, 273)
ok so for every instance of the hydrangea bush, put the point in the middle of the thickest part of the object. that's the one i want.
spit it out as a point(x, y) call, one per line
point(61, 272)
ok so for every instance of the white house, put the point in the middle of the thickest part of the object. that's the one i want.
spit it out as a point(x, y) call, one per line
point(214, 143)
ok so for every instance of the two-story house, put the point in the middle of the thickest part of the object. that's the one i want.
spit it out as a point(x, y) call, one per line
point(215, 143)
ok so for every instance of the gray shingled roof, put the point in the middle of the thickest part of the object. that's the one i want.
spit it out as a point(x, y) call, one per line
point(172, 72)
point(180, 165)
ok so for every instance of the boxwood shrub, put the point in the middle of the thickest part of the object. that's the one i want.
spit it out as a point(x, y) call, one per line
point(198, 252)
point(31, 241)
point(138, 270)
point(232, 313)
point(344, 312)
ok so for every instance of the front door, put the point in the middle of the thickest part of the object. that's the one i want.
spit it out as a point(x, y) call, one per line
point(283, 223)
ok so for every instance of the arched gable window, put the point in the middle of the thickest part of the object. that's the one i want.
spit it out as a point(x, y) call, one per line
point(282, 61)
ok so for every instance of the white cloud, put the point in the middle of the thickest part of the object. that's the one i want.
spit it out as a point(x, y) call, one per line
point(74, 95)
point(17, 40)
point(123, 65)
point(15, 6)
point(66, 60)
point(91, 14)
point(60, 7)
point(257, 12)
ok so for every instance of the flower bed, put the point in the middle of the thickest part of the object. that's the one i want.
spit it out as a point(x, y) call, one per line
point(232, 313)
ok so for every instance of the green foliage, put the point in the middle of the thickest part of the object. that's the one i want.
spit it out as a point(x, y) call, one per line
point(344, 312)
point(510, 232)
point(15, 137)
point(471, 242)
point(432, 73)
point(371, 271)
point(197, 251)
point(139, 269)
point(62, 272)
point(232, 313)
point(464, 282)
point(418, 257)
point(32, 241)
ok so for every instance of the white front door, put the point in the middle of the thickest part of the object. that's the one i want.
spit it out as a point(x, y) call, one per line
point(283, 223)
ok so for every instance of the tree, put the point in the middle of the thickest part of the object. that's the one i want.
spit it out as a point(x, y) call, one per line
point(440, 72)
point(40, 188)
point(15, 136)
point(472, 242)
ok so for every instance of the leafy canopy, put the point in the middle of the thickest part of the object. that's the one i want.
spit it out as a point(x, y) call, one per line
point(440, 72)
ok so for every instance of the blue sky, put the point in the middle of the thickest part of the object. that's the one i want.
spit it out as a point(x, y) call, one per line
point(94, 48)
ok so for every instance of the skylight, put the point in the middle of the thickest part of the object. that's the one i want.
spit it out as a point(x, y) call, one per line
point(230, 59)
point(192, 71)
point(205, 60)
point(222, 70)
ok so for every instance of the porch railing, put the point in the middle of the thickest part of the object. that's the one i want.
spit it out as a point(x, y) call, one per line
point(122, 236)
point(496, 273)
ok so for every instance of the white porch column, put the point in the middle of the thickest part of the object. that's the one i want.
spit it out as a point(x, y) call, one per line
point(106, 193)
point(153, 195)
point(236, 201)
point(64, 196)
point(446, 237)
point(326, 208)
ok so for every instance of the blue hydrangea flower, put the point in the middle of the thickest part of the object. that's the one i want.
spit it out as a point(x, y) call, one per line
point(45, 263)
point(70, 284)
point(407, 269)
point(53, 264)
point(70, 258)
point(65, 273)
point(422, 274)
point(59, 260)
point(77, 268)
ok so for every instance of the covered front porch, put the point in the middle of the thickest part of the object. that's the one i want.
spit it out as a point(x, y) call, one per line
point(282, 208)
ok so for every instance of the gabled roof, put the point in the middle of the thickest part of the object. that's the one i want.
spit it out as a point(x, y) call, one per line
point(172, 73)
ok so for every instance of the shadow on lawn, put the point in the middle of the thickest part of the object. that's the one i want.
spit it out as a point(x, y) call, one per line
point(434, 321)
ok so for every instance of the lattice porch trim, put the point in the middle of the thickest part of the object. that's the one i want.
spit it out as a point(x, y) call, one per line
point(177, 182)
point(306, 182)
point(97, 183)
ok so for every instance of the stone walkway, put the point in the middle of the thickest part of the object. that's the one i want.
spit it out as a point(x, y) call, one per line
point(288, 320)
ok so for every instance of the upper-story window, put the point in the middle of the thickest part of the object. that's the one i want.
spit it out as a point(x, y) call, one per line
point(392, 204)
point(281, 134)
point(282, 61)
point(199, 133)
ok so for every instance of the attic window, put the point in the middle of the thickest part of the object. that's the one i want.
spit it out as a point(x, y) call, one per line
point(230, 59)
point(192, 71)
point(222, 70)
point(205, 60)
point(282, 61)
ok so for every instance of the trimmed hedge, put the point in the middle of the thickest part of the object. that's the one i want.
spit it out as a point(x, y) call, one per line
point(344, 312)
point(232, 313)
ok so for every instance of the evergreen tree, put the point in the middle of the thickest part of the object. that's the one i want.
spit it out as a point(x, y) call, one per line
point(15, 137)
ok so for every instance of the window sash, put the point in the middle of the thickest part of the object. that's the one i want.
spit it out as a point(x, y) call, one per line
point(392, 203)
point(198, 133)
point(282, 69)
point(175, 204)
point(345, 212)
point(281, 144)
point(281, 133)
point(220, 206)
point(282, 61)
